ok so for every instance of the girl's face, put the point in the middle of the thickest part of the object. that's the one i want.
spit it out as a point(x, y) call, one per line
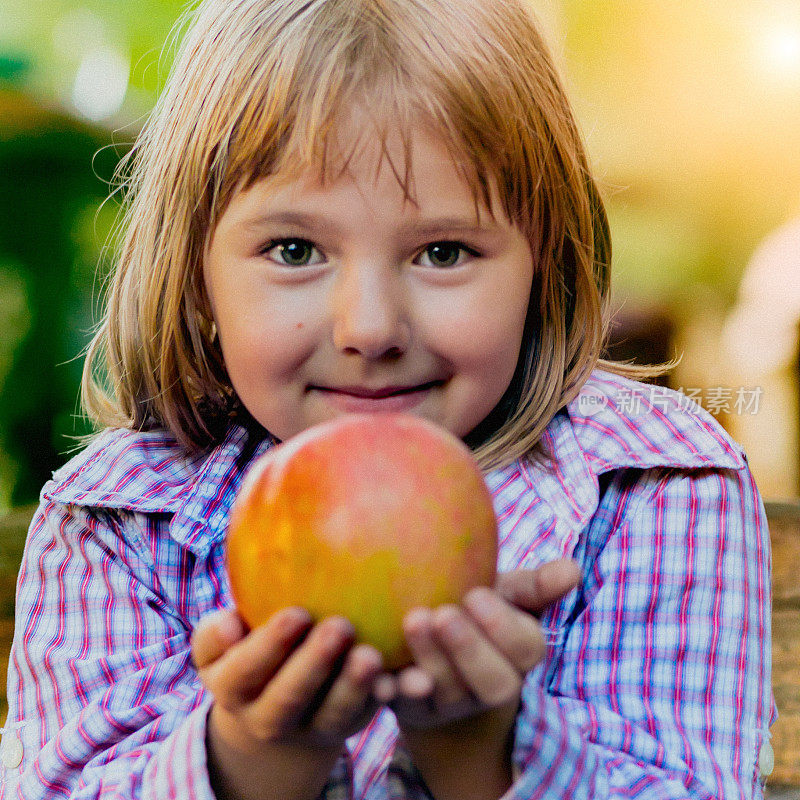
point(347, 298)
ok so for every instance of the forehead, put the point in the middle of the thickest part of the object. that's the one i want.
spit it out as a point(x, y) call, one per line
point(416, 163)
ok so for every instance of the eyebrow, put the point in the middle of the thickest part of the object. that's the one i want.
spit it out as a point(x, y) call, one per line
point(424, 227)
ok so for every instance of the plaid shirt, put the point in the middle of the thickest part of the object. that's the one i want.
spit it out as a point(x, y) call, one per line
point(656, 682)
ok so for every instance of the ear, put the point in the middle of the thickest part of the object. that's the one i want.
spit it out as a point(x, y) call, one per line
point(205, 306)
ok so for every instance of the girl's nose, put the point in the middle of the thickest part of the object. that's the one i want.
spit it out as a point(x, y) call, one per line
point(369, 312)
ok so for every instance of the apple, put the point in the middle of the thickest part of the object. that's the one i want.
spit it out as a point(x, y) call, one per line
point(366, 516)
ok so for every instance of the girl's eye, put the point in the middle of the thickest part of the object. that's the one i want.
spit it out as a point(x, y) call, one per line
point(292, 252)
point(445, 254)
point(297, 252)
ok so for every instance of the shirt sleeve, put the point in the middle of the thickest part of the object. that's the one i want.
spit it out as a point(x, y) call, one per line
point(103, 698)
point(657, 681)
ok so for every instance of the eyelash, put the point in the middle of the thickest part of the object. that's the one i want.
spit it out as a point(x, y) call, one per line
point(297, 239)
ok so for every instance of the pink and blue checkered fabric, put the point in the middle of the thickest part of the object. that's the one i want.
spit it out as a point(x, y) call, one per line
point(656, 682)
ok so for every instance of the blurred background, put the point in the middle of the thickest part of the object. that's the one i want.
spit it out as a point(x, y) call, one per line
point(691, 113)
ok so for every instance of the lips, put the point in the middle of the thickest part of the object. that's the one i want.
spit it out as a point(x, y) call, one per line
point(377, 393)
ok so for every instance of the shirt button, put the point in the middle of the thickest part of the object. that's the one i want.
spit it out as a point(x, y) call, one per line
point(11, 752)
point(766, 760)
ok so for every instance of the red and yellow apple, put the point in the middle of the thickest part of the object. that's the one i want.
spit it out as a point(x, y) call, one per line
point(366, 516)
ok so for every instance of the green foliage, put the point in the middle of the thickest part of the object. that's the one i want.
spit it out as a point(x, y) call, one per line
point(56, 33)
point(48, 192)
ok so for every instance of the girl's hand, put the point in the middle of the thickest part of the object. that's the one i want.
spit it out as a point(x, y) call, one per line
point(287, 680)
point(472, 659)
point(286, 696)
point(469, 660)
point(457, 704)
point(534, 590)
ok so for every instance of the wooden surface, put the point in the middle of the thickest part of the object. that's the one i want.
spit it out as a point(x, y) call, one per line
point(784, 521)
point(784, 527)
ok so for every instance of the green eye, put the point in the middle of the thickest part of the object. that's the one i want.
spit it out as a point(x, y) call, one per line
point(446, 254)
point(291, 252)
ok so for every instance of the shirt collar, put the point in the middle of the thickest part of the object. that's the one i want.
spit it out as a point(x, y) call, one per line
point(149, 472)
point(615, 423)
point(201, 519)
point(619, 422)
point(544, 503)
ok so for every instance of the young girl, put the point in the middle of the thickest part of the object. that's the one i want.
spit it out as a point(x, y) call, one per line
point(372, 205)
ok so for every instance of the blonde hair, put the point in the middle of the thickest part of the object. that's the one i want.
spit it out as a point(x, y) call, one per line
point(256, 89)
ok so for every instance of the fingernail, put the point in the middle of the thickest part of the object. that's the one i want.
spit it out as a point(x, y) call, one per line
point(370, 659)
point(384, 689)
point(451, 624)
point(293, 620)
point(228, 624)
point(565, 569)
point(336, 629)
point(417, 621)
point(482, 602)
point(416, 683)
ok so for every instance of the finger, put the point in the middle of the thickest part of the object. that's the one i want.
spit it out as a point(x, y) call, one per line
point(415, 683)
point(429, 657)
point(214, 634)
point(491, 678)
point(415, 706)
point(349, 700)
point(516, 634)
point(384, 689)
point(239, 676)
point(535, 589)
point(298, 687)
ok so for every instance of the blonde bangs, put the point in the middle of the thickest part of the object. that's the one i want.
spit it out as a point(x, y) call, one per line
point(381, 58)
point(259, 89)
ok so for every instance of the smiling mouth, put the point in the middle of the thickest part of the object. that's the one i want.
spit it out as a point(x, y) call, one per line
point(377, 394)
